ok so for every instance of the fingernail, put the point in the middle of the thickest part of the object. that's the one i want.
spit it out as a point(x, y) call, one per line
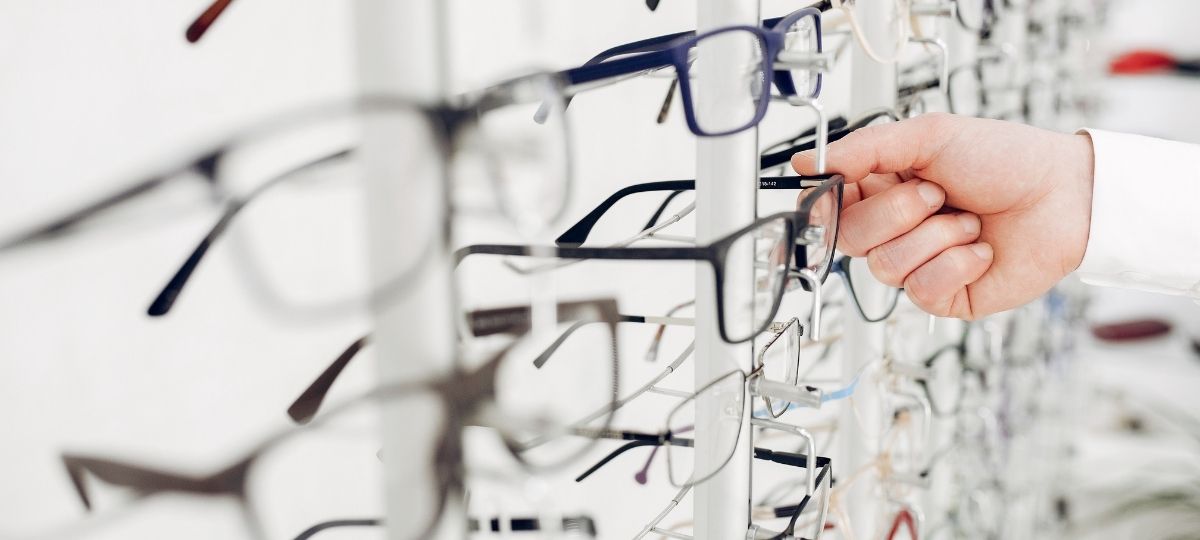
point(970, 223)
point(930, 192)
point(982, 250)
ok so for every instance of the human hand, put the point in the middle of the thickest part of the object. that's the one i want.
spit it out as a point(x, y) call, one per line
point(971, 216)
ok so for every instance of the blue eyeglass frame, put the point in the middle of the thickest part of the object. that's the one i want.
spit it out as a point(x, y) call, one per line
point(672, 50)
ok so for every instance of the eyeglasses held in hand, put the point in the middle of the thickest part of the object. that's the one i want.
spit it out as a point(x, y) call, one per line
point(337, 452)
point(845, 266)
point(804, 238)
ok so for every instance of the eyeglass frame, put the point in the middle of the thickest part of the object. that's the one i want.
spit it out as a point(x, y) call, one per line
point(714, 254)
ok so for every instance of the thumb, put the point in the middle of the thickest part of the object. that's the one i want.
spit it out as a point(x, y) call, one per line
point(805, 163)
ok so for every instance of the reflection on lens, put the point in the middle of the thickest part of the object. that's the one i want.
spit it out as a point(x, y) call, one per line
point(822, 226)
point(713, 417)
point(737, 57)
point(748, 310)
point(779, 351)
point(801, 38)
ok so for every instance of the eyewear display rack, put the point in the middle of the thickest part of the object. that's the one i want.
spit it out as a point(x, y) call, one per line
point(726, 186)
point(401, 46)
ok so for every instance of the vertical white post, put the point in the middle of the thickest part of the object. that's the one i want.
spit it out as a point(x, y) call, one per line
point(726, 188)
point(873, 85)
point(1011, 36)
point(400, 50)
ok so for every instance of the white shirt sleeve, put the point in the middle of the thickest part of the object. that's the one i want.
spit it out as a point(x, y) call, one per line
point(1145, 231)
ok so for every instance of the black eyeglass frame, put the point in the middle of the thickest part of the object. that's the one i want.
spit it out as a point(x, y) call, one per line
point(715, 254)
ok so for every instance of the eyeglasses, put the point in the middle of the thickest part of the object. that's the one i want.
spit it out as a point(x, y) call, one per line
point(823, 482)
point(964, 91)
point(884, 46)
point(572, 526)
point(948, 374)
point(336, 454)
point(306, 406)
point(846, 267)
point(299, 227)
point(770, 242)
point(515, 502)
point(786, 56)
point(723, 425)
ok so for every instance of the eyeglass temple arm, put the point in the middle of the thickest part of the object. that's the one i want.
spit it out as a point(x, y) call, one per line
point(205, 166)
point(306, 406)
point(546, 354)
point(482, 322)
point(579, 232)
point(782, 458)
point(581, 524)
point(196, 30)
point(148, 481)
point(780, 157)
point(170, 293)
point(836, 123)
point(338, 524)
point(575, 79)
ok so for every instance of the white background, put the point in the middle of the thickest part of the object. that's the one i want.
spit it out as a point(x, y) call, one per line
point(94, 94)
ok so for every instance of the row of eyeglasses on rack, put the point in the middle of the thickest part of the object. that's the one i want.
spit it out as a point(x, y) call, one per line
point(509, 146)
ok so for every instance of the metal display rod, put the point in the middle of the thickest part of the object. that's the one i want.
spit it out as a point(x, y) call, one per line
point(726, 189)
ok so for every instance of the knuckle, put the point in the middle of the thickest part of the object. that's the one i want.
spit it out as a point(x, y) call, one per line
point(847, 243)
point(920, 296)
point(903, 208)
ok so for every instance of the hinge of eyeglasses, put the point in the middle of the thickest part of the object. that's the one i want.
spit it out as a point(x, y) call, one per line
point(813, 61)
point(934, 9)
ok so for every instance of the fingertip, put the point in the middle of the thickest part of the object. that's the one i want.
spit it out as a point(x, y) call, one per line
point(804, 162)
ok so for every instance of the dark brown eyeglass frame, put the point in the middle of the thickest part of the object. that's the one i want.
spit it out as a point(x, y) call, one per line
point(461, 392)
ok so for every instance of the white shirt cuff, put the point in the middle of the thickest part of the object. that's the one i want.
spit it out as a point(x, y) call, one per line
point(1145, 225)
